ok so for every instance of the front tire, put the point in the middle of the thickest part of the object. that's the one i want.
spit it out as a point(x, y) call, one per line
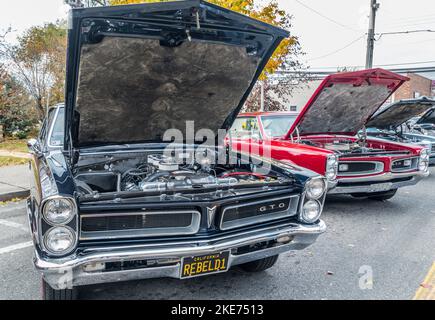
point(48, 293)
point(260, 265)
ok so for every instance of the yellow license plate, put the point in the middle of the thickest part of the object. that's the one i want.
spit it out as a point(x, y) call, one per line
point(206, 264)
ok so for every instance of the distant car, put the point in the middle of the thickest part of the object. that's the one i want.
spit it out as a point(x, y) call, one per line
point(397, 122)
point(426, 123)
point(322, 137)
point(112, 200)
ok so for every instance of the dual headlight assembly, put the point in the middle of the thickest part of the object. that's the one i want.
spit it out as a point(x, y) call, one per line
point(315, 190)
point(60, 215)
point(331, 167)
point(423, 164)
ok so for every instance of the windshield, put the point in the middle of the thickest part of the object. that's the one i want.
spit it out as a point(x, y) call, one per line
point(429, 117)
point(57, 133)
point(277, 126)
point(245, 128)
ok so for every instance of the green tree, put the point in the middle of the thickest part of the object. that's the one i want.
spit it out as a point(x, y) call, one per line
point(38, 63)
point(15, 110)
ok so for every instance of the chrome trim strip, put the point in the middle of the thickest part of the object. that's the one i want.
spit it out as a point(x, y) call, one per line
point(144, 232)
point(379, 167)
point(53, 270)
point(380, 177)
point(415, 178)
point(288, 212)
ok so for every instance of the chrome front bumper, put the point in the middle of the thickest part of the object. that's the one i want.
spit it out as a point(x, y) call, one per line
point(378, 183)
point(70, 271)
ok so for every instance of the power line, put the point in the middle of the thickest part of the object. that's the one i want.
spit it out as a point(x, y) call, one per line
point(338, 50)
point(382, 65)
point(325, 17)
point(401, 32)
point(325, 73)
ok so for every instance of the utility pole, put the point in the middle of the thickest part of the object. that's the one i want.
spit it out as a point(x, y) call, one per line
point(374, 6)
point(261, 96)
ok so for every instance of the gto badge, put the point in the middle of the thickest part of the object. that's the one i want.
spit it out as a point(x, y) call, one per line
point(211, 212)
point(271, 207)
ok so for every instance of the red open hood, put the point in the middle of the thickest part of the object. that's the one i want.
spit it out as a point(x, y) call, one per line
point(344, 102)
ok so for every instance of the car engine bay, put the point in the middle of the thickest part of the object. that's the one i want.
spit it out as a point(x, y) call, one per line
point(352, 147)
point(159, 173)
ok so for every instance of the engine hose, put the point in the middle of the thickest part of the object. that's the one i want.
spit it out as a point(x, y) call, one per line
point(155, 176)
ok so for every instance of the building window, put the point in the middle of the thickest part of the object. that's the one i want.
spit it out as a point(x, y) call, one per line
point(417, 94)
point(294, 108)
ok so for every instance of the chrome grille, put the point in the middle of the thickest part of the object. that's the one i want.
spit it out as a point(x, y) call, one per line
point(404, 164)
point(346, 168)
point(433, 148)
point(249, 213)
point(138, 224)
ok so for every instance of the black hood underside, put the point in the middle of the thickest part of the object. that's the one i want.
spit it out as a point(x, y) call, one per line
point(136, 89)
point(140, 73)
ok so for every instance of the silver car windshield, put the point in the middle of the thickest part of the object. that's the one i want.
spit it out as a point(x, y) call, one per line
point(277, 126)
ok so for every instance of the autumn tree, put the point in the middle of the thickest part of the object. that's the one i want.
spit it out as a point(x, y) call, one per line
point(15, 110)
point(38, 63)
point(86, 3)
point(278, 89)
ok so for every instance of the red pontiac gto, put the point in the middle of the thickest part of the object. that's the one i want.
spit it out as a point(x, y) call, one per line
point(325, 138)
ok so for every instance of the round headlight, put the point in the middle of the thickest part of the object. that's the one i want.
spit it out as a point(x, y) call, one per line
point(311, 211)
point(332, 160)
point(315, 188)
point(424, 154)
point(423, 164)
point(59, 240)
point(331, 175)
point(58, 211)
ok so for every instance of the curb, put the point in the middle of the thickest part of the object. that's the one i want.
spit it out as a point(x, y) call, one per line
point(15, 194)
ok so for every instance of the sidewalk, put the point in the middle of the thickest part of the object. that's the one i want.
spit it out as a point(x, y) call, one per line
point(14, 182)
point(6, 153)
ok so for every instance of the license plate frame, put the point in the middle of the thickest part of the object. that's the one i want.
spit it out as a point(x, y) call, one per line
point(381, 187)
point(215, 262)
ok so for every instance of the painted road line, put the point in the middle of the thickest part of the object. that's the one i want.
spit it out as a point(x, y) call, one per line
point(5, 210)
point(13, 225)
point(426, 291)
point(16, 247)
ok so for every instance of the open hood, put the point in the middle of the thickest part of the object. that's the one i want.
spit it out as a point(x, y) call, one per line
point(428, 117)
point(399, 112)
point(345, 101)
point(135, 71)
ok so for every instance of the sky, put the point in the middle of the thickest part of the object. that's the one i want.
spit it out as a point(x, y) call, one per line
point(332, 33)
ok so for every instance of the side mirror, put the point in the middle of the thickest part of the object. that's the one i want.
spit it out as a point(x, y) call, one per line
point(34, 146)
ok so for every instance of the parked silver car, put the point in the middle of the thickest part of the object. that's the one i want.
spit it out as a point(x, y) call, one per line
point(397, 123)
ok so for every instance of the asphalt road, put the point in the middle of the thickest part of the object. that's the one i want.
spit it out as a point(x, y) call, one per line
point(372, 250)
